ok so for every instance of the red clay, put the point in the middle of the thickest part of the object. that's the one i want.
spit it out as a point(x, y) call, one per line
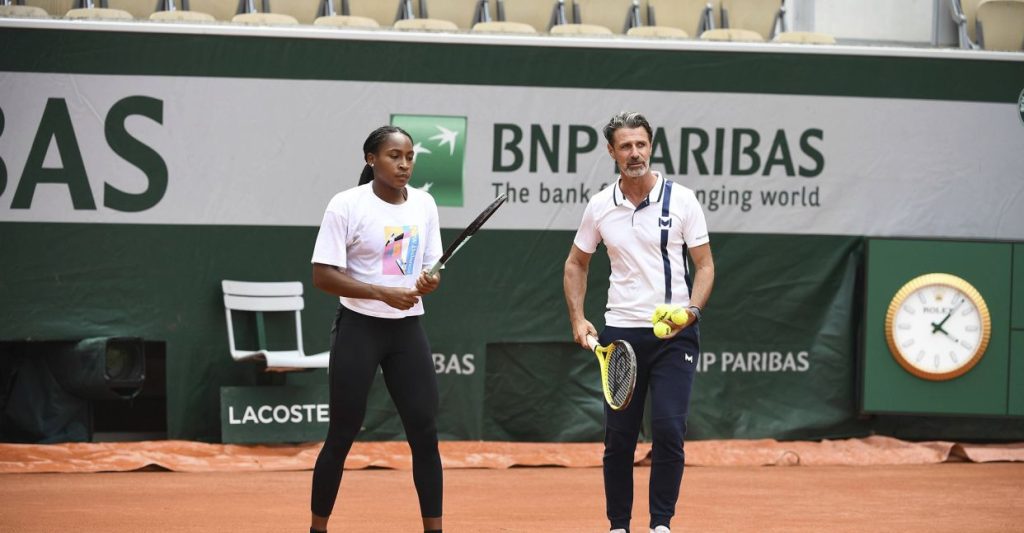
point(952, 497)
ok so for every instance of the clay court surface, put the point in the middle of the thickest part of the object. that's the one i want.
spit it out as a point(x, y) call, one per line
point(958, 496)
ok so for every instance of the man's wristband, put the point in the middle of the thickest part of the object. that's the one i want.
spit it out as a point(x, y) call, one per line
point(693, 309)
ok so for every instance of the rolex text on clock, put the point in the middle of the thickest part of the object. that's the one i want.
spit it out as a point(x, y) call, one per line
point(937, 326)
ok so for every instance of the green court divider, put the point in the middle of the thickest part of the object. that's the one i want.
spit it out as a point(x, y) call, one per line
point(542, 392)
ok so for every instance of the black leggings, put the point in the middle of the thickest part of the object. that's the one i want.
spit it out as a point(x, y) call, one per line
point(359, 344)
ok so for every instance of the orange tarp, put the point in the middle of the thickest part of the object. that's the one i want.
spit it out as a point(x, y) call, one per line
point(184, 456)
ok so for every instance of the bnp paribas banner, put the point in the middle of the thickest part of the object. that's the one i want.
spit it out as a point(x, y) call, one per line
point(142, 164)
point(227, 151)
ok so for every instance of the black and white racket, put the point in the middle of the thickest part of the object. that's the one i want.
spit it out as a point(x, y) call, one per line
point(463, 237)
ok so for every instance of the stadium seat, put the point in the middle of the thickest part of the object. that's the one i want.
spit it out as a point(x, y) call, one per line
point(56, 8)
point(540, 14)
point(346, 21)
point(804, 37)
point(425, 25)
point(664, 32)
point(98, 13)
point(580, 29)
point(223, 10)
point(732, 34)
point(269, 297)
point(964, 15)
point(180, 15)
point(496, 26)
point(762, 16)
point(693, 16)
point(139, 9)
point(385, 12)
point(1000, 25)
point(464, 13)
point(304, 11)
point(616, 15)
point(23, 12)
point(264, 19)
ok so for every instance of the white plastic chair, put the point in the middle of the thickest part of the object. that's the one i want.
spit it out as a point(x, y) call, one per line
point(263, 297)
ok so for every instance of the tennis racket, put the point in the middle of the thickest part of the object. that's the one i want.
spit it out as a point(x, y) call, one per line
point(618, 371)
point(463, 237)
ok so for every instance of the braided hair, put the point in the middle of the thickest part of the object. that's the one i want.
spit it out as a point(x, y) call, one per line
point(372, 144)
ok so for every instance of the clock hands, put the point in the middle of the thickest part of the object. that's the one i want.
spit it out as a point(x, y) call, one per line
point(946, 333)
point(938, 327)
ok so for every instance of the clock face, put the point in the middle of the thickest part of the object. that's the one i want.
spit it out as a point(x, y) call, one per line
point(937, 326)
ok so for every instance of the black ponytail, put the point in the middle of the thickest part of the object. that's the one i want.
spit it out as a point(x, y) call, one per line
point(367, 175)
point(372, 143)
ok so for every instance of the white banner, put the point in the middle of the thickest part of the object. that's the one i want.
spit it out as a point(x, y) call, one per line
point(223, 151)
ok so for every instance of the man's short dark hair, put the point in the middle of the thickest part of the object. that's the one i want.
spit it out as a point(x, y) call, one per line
point(627, 119)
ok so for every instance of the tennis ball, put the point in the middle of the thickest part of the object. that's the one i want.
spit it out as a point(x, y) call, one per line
point(661, 330)
point(660, 312)
point(680, 316)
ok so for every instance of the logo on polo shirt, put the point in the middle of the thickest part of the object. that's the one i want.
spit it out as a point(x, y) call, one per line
point(440, 145)
point(664, 222)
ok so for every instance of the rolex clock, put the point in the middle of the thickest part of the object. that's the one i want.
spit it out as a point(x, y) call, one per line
point(937, 327)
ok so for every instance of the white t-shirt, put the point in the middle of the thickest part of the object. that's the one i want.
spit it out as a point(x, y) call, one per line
point(642, 272)
point(379, 243)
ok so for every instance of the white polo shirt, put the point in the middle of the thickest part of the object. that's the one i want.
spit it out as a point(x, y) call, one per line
point(643, 268)
point(379, 243)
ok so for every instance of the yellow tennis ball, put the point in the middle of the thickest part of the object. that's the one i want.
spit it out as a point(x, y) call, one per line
point(680, 316)
point(660, 312)
point(661, 330)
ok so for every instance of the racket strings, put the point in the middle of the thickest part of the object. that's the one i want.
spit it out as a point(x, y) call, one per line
point(621, 374)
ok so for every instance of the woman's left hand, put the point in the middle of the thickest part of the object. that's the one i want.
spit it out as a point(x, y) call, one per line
point(426, 283)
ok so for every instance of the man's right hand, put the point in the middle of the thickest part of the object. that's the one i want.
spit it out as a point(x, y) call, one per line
point(581, 329)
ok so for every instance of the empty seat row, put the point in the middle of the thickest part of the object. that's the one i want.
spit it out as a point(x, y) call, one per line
point(692, 17)
point(385, 12)
point(617, 15)
point(717, 20)
point(989, 24)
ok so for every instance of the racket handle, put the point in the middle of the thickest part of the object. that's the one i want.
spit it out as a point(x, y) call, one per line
point(591, 341)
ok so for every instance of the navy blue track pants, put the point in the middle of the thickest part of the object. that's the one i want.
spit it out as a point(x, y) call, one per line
point(665, 368)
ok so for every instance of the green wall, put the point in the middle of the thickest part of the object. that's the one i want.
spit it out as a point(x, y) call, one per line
point(502, 296)
point(981, 391)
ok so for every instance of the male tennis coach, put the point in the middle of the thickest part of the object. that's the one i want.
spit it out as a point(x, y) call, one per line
point(649, 226)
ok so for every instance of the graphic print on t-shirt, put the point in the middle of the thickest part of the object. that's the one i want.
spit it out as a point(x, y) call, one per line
point(400, 244)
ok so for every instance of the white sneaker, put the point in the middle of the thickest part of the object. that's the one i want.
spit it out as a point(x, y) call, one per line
point(620, 530)
point(661, 529)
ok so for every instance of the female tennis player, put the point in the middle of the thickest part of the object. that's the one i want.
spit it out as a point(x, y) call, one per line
point(374, 242)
